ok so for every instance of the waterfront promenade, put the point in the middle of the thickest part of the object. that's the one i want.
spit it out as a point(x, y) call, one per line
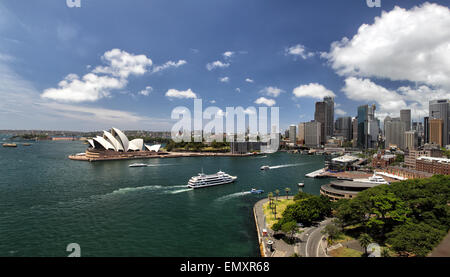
point(310, 243)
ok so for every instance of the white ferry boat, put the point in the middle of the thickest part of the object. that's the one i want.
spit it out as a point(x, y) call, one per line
point(203, 180)
point(138, 165)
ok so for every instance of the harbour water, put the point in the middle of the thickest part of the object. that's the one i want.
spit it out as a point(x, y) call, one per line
point(48, 201)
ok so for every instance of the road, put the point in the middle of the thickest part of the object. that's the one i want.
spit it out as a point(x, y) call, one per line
point(311, 241)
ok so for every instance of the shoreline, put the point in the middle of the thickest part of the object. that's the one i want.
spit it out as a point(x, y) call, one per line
point(153, 156)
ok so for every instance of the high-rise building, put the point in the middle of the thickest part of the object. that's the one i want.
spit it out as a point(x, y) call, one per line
point(411, 140)
point(394, 132)
point(355, 132)
point(329, 124)
point(436, 131)
point(405, 116)
point(440, 109)
point(367, 127)
point(426, 129)
point(344, 128)
point(324, 114)
point(301, 133)
point(313, 133)
point(293, 134)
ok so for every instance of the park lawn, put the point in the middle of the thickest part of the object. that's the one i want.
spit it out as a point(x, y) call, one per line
point(281, 206)
point(345, 252)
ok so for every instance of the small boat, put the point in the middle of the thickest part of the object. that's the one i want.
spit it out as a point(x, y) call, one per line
point(301, 184)
point(138, 165)
point(27, 144)
point(265, 167)
point(256, 191)
point(9, 145)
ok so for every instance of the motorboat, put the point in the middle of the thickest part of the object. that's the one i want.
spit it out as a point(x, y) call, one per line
point(265, 167)
point(138, 165)
point(256, 191)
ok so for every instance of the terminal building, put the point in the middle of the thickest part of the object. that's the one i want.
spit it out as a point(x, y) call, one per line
point(344, 189)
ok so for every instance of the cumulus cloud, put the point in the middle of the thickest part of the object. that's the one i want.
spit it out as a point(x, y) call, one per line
point(248, 80)
point(312, 90)
point(271, 91)
point(238, 90)
point(224, 79)
point(173, 93)
point(340, 112)
point(122, 64)
point(146, 91)
point(298, 51)
point(167, 65)
point(216, 64)
point(265, 101)
point(89, 88)
point(390, 102)
point(411, 45)
point(228, 54)
point(99, 82)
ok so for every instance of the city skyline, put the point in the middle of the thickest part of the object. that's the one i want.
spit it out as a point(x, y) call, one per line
point(62, 71)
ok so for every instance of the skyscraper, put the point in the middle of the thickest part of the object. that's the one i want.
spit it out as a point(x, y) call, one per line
point(325, 115)
point(293, 134)
point(343, 127)
point(367, 127)
point(440, 109)
point(426, 129)
point(411, 140)
point(394, 132)
point(436, 131)
point(301, 133)
point(313, 133)
point(405, 116)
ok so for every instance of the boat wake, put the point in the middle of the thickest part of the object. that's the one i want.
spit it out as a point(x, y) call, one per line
point(231, 196)
point(285, 165)
point(132, 189)
point(180, 190)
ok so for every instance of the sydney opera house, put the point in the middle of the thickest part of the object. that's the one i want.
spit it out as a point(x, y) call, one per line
point(115, 145)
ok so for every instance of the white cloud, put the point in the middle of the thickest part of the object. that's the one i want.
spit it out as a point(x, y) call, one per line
point(238, 90)
point(224, 79)
point(340, 112)
point(390, 102)
point(212, 101)
point(248, 80)
point(271, 91)
point(228, 54)
point(265, 101)
point(99, 82)
point(89, 88)
point(312, 90)
point(146, 91)
point(167, 65)
point(216, 64)
point(122, 64)
point(298, 51)
point(173, 93)
point(412, 45)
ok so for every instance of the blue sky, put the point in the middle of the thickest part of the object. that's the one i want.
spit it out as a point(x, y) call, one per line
point(277, 46)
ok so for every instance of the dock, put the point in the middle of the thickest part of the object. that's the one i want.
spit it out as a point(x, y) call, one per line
point(316, 174)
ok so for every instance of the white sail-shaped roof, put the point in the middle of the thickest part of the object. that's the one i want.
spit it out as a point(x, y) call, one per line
point(155, 147)
point(122, 138)
point(114, 142)
point(135, 145)
point(91, 142)
point(103, 142)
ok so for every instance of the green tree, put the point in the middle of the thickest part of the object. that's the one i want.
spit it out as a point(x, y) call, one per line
point(365, 240)
point(414, 239)
point(287, 190)
point(277, 192)
point(332, 231)
point(289, 228)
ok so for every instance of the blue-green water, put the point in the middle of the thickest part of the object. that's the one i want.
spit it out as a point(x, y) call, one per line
point(48, 201)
